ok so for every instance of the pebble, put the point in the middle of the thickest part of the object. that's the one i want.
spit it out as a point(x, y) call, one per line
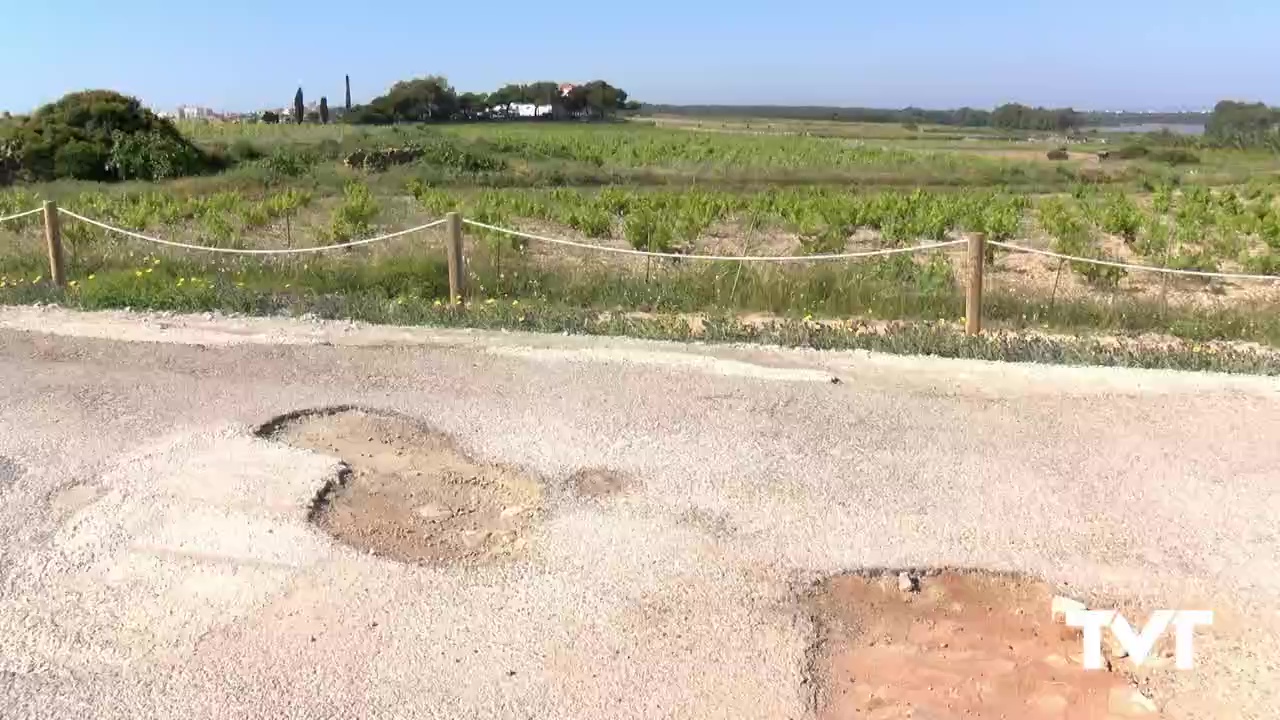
point(1129, 702)
point(907, 583)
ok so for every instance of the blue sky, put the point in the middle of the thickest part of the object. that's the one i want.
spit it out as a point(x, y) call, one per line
point(243, 55)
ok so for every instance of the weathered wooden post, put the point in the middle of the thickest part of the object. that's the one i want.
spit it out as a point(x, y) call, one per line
point(53, 238)
point(457, 264)
point(973, 298)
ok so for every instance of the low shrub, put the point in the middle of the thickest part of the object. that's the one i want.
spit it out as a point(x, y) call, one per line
point(1174, 156)
point(1132, 151)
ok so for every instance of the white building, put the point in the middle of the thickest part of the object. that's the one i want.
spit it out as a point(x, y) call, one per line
point(524, 110)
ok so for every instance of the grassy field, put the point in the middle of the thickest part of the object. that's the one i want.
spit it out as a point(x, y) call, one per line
point(785, 187)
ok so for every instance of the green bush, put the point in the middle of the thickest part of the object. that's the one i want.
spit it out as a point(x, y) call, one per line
point(1133, 151)
point(98, 135)
point(1174, 156)
point(288, 162)
point(79, 159)
point(243, 151)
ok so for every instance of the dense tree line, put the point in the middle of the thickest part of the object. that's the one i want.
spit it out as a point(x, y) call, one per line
point(962, 117)
point(1014, 116)
point(433, 99)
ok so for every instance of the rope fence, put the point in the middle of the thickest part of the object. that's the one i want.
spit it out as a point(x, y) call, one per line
point(1131, 266)
point(733, 258)
point(17, 216)
point(243, 251)
point(457, 276)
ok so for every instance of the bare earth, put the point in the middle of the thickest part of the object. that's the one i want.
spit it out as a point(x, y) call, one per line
point(688, 517)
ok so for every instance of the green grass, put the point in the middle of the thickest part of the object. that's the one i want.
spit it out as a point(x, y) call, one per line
point(371, 303)
point(643, 186)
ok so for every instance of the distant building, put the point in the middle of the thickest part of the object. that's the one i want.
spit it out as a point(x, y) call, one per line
point(524, 110)
point(193, 112)
point(566, 88)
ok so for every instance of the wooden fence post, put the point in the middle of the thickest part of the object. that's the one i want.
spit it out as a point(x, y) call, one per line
point(457, 263)
point(53, 238)
point(973, 298)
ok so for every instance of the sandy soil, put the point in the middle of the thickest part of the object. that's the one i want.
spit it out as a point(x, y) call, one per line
point(960, 646)
point(410, 494)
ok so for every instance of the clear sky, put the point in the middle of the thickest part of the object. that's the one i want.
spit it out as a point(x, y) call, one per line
point(251, 54)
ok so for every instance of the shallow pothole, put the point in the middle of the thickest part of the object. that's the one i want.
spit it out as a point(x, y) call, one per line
point(954, 644)
point(410, 493)
point(598, 483)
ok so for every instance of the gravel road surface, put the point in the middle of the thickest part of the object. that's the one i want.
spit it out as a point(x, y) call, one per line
point(157, 561)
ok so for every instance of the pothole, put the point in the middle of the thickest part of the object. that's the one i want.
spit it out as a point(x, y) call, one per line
point(410, 493)
point(955, 645)
point(598, 482)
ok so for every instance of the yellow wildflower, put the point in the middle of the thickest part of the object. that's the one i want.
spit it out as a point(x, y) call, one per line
point(137, 273)
point(515, 303)
point(91, 276)
point(148, 271)
point(157, 261)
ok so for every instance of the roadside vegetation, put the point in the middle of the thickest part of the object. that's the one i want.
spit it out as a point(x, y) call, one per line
point(634, 185)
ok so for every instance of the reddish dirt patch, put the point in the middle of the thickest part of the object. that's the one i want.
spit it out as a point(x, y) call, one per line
point(964, 646)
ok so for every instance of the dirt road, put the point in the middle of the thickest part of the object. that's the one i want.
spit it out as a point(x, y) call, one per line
point(158, 560)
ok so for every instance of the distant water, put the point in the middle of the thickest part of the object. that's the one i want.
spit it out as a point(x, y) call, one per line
point(1155, 127)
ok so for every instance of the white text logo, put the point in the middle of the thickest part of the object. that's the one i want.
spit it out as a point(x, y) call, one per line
point(1139, 645)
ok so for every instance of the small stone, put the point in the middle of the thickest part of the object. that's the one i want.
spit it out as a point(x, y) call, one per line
point(1063, 605)
point(1129, 702)
point(511, 512)
point(908, 583)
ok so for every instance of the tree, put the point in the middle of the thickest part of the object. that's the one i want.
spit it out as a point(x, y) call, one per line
point(324, 111)
point(1238, 124)
point(347, 106)
point(597, 99)
point(298, 108)
point(420, 100)
point(271, 118)
point(472, 105)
